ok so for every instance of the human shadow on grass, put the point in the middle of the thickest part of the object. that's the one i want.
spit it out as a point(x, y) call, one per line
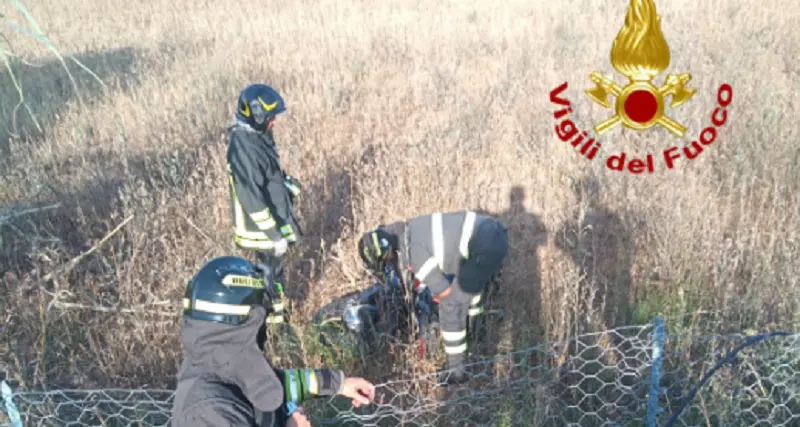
point(75, 343)
point(519, 293)
point(327, 216)
point(601, 246)
point(47, 89)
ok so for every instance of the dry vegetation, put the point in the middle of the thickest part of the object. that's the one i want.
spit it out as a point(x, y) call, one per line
point(396, 108)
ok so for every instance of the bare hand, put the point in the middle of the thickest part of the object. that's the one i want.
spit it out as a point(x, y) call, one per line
point(360, 390)
point(298, 419)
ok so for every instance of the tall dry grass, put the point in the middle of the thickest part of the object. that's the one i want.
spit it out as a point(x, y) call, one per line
point(396, 108)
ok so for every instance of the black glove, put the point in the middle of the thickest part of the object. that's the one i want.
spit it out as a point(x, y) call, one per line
point(293, 185)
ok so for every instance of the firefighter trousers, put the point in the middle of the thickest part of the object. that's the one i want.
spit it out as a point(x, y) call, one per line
point(275, 264)
point(457, 341)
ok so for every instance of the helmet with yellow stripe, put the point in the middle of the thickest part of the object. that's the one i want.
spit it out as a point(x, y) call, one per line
point(376, 248)
point(225, 290)
point(258, 105)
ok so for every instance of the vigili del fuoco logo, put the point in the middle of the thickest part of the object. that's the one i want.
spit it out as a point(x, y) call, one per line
point(640, 53)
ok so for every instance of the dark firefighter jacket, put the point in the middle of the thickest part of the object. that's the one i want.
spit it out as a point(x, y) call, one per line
point(460, 249)
point(261, 203)
point(226, 381)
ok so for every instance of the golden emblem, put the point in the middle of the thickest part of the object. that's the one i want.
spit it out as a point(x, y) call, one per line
point(640, 52)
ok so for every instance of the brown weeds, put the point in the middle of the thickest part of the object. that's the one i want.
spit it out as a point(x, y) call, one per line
point(394, 110)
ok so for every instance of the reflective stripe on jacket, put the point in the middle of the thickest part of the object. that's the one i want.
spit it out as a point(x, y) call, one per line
point(437, 245)
point(261, 204)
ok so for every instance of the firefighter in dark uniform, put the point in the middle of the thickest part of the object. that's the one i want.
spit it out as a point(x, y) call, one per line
point(455, 255)
point(262, 194)
point(225, 379)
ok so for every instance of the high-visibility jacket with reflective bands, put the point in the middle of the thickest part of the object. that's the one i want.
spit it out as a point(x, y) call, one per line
point(437, 244)
point(261, 204)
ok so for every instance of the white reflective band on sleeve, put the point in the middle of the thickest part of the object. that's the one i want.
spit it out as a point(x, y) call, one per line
point(293, 391)
point(250, 235)
point(266, 224)
point(260, 216)
point(311, 380)
point(466, 233)
point(238, 215)
point(220, 308)
point(438, 238)
point(456, 349)
point(254, 243)
point(475, 311)
point(426, 268)
point(454, 336)
point(475, 300)
point(274, 319)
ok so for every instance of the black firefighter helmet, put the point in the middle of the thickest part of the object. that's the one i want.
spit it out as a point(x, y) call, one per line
point(257, 104)
point(376, 248)
point(226, 289)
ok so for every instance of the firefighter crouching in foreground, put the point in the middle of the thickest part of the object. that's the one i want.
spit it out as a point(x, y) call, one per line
point(262, 194)
point(225, 379)
point(466, 246)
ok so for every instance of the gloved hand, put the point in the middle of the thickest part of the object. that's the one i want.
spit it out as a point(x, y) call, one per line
point(293, 185)
point(281, 246)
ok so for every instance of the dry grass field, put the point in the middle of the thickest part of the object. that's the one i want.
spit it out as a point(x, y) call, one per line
point(395, 108)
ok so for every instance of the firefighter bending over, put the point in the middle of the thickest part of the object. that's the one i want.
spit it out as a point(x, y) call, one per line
point(454, 254)
point(225, 379)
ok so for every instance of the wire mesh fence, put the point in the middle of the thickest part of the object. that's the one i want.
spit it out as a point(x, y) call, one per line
point(632, 376)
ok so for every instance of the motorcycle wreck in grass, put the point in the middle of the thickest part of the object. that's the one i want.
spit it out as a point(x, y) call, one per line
point(385, 312)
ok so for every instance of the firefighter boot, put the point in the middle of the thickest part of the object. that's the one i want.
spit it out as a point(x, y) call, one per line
point(277, 315)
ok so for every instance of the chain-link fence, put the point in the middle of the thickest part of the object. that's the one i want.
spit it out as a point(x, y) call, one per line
point(632, 376)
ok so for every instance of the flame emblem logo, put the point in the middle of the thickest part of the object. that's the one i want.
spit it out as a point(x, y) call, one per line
point(640, 52)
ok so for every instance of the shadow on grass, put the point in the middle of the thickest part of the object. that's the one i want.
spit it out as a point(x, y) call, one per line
point(139, 265)
point(519, 294)
point(47, 89)
point(166, 191)
point(174, 229)
point(601, 246)
point(327, 216)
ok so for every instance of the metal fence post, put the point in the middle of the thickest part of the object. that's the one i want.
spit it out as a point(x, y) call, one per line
point(655, 372)
point(11, 408)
